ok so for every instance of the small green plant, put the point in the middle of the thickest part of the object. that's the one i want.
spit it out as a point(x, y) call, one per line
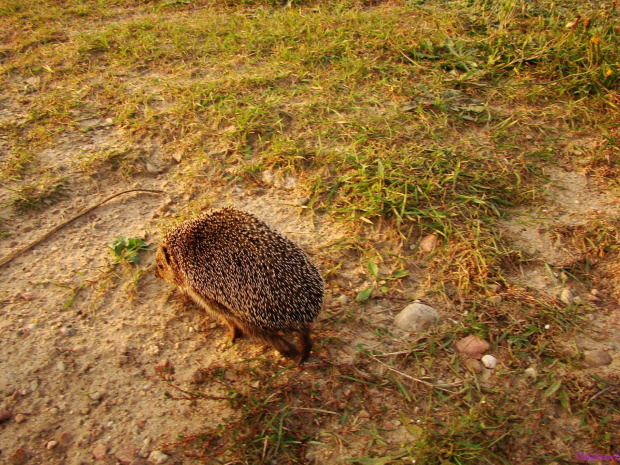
point(127, 249)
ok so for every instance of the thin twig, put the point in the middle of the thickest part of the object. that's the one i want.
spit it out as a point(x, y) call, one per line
point(426, 383)
point(20, 251)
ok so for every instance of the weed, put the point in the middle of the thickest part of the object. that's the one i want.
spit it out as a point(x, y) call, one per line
point(37, 196)
point(128, 250)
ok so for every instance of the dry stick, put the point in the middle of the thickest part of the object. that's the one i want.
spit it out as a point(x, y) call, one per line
point(426, 383)
point(18, 252)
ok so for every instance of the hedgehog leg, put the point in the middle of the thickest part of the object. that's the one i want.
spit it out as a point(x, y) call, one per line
point(281, 345)
point(233, 330)
point(305, 343)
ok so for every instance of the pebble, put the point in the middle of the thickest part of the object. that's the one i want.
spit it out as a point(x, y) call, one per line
point(152, 169)
point(50, 445)
point(152, 350)
point(473, 365)
point(5, 415)
point(164, 366)
point(489, 361)
point(66, 331)
point(96, 396)
point(146, 447)
point(304, 201)
point(567, 296)
point(531, 372)
point(19, 418)
point(494, 287)
point(416, 317)
point(198, 377)
point(60, 366)
point(343, 299)
point(472, 345)
point(428, 243)
point(597, 358)
point(494, 299)
point(64, 438)
point(100, 451)
point(126, 454)
point(158, 457)
point(18, 456)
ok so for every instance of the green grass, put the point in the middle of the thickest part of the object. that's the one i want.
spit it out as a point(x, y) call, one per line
point(399, 119)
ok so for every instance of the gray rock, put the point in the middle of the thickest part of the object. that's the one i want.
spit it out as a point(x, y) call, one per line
point(416, 317)
point(597, 358)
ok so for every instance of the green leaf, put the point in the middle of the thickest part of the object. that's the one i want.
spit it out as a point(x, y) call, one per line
point(384, 289)
point(365, 294)
point(374, 269)
point(400, 274)
point(551, 389)
point(380, 172)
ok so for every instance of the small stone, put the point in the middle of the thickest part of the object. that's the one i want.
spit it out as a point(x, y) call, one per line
point(473, 365)
point(164, 366)
point(472, 345)
point(158, 457)
point(597, 358)
point(153, 350)
point(126, 454)
point(152, 169)
point(428, 243)
point(531, 372)
point(96, 396)
point(304, 201)
point(64, 438)
point(593, 298)
point(489, 361)
point(494, 299)
point(177, 156)
point(19, 418)
point(66, 331)
point(85, 411)
point(50, 445)
point(343, 299)
point(60, 366)
point(268, 177)
point(567, 296)
point(198, 377)
point(416, 317)
point(494, 287)
point(18, 456)
point(5, 415)
point(255, 384)
point(100, 451)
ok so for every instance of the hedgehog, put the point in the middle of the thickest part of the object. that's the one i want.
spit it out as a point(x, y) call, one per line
point(247, 275)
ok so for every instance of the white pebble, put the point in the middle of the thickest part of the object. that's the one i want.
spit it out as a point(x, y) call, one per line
point(158, 457)
point(531, 372)
point(489, 361)
point(50, 445)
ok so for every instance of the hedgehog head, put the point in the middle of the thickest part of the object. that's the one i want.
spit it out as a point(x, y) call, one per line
point(167, 267)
